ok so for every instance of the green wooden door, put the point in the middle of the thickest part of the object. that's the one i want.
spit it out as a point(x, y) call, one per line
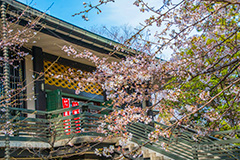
point(54, 100)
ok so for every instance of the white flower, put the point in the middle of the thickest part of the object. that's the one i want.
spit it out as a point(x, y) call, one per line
point(189, 108)
point(97, 152)
point(204, 95)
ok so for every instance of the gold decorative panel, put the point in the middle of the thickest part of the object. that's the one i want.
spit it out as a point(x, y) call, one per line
point(60, 75)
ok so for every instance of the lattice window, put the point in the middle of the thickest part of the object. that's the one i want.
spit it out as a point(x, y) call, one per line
point(58, 75)
point(15, 81)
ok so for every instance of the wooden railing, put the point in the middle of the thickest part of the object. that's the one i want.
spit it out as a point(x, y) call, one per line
point(51, 126)
point(183, 143)
point(84, 123)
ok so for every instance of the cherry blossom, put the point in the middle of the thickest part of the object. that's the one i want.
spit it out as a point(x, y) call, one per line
point(199, 85)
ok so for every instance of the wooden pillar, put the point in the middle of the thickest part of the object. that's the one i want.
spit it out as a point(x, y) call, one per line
point(40, 102)
point(30, 83)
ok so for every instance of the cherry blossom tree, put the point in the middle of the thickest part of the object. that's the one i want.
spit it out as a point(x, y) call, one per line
point(199, 85)
point(13, 38)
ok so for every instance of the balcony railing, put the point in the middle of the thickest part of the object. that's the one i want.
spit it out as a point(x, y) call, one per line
point(185, 144)
point(52, 126)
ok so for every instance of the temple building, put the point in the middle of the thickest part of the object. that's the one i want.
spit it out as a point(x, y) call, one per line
point(45, 119)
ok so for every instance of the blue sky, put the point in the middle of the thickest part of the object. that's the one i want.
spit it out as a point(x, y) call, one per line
point(120, 12)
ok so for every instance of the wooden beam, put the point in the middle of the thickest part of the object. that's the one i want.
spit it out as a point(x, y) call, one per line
point(40, 102)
